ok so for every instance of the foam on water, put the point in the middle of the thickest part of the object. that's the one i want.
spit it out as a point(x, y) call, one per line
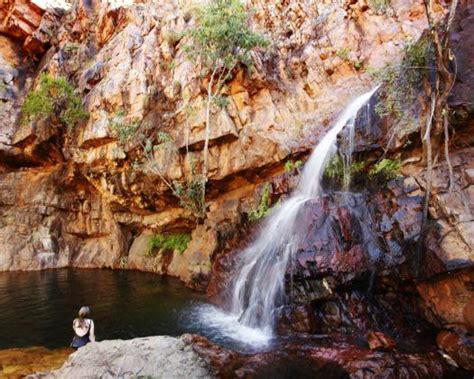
point(224, 325)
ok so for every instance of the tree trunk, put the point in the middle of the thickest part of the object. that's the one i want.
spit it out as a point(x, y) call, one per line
point(206, 143)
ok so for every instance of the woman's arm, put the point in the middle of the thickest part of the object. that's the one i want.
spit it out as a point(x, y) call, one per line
point(92, 332)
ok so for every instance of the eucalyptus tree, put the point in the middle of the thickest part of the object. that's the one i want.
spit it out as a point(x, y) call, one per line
point(222, 41)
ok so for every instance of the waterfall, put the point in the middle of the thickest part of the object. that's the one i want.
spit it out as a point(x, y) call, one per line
point(258, 288)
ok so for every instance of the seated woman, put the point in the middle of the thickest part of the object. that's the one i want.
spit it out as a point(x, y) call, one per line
point(83, 328)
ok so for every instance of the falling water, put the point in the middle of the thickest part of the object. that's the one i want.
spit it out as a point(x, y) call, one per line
point(258, 289)
point(347, 150)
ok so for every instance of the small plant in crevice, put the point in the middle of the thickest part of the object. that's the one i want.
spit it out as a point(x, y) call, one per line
point(126, 132)
point(343, 53)
point(167, 242)
point(335, 168)
point(363, 173)
point(380, 6)
point(172, 38)
point(386, 169)
point(292, 165)
point(358, 64)
point(263, 207)
point(71, 47)
point(53, 98)
point(123, 262)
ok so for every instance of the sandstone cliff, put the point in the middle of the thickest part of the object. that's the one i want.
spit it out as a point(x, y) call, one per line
point(77, 198)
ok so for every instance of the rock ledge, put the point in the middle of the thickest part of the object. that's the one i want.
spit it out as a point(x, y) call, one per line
point(157, 356)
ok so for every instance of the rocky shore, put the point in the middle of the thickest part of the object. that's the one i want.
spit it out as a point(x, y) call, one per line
point(192, 356)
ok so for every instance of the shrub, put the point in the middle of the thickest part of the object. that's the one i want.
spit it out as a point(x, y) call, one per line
point(189, 191)
point(380, 6)
point(126, 132)
point(53, 97)
point(168, 242)
point(335, 168)
point(263, 207)
point(400, 81)
point(343, 53)
point(387, 169)
point(292, 165)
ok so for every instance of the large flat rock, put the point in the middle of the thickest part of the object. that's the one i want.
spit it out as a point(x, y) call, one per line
point(157, 357)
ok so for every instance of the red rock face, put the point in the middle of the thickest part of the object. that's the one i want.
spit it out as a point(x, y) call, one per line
point(451, 299)
point(83, 202)
point(460, 348)
point(324, 357)
point(462, 40)
point(32, 22)
point(377, 340)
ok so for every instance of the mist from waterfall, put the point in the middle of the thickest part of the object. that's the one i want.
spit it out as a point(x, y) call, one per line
point(258, 290)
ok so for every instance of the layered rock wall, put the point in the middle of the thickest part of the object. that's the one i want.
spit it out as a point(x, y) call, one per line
point(129, 59)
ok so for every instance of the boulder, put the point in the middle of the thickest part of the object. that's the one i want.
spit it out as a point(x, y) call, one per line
point(159, 356)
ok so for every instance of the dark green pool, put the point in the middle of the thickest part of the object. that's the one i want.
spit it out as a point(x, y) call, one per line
point(37, 308)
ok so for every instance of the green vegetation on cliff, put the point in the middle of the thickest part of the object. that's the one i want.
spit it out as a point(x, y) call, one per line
point(292, 165)
point(54, 97)
point(386, 168)
point(221, 42)
point(168, 242)
point(400, 82)
point(187, 191)
point(335, 168)
point(263, 207)
point(377, 174)
point(379, 6)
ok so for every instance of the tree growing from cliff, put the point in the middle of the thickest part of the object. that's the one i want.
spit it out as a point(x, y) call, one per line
point(221, 41)
point(131, 134)
point(54, 98)
point(431, 65)
point(437, 123)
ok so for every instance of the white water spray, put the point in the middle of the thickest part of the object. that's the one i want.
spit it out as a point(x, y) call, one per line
point(258, 289)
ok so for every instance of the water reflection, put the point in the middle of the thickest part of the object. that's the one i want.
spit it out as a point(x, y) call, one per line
point(37, 308)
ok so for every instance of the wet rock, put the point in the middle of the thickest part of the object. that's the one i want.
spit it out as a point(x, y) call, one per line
point(222, 360)
point(460, 348)
point(300, 319)
point(378, 340)
point(18, 362)
point(332, 356)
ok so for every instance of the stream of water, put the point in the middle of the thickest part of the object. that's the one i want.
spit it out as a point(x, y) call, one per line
point(258, 288)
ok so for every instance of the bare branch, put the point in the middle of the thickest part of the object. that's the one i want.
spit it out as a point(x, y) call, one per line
point(446, 151)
